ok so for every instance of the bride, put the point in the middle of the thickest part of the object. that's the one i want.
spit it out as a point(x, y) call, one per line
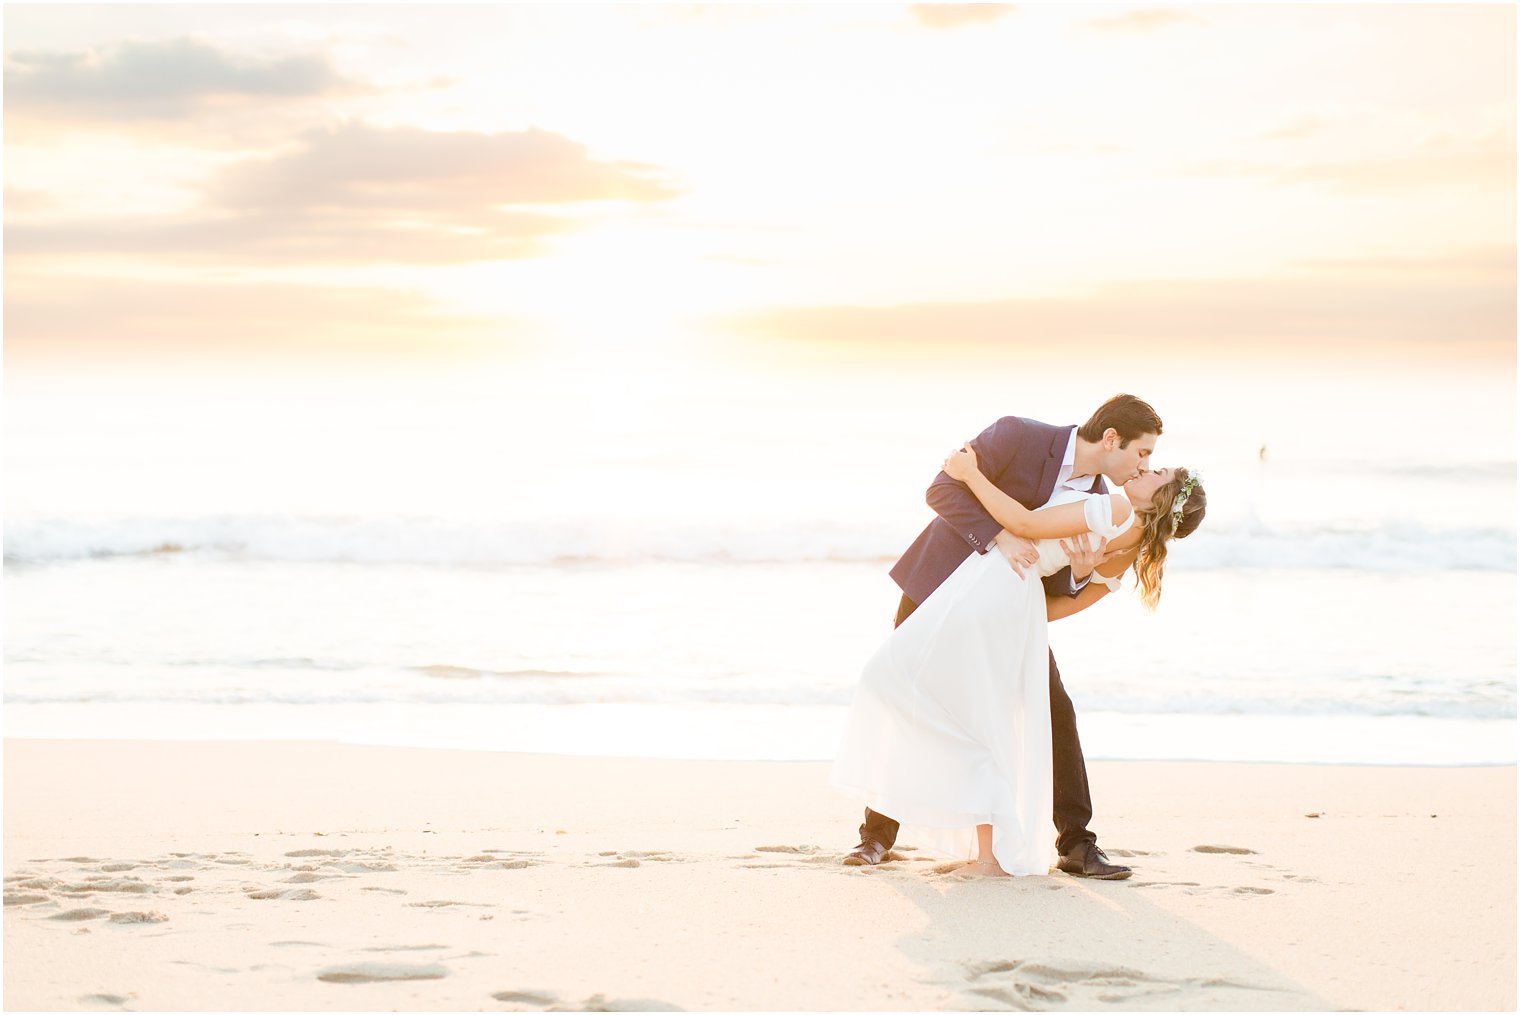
point(949, 729)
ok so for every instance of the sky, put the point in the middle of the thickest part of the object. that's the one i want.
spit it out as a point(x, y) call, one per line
point(631, 183)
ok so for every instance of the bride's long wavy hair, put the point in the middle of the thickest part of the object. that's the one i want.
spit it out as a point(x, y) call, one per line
point(1155, 522)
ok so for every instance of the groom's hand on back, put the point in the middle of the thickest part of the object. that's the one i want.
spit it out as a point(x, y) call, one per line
point(1084, 556)
point(1018, 551)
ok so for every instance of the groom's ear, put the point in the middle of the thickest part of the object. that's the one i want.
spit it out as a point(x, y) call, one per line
point(1110, 438)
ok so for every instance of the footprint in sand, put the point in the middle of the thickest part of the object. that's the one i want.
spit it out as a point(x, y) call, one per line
point(596, 1002)
point(491, 860)
point(1044, 985)
point(138, 917)
point(406, 948)
point(1193, 888)
point(81, 914)
point(23, 900)
point(290, 895)
point(380, 972)
point(536, 998)
point(361, 866)
point(115, 999)
point(136, 886)
point(786, 849)
point(1236, 850)
point(657, 855)
point(637, 857)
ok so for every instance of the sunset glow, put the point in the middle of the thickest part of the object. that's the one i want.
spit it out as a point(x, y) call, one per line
point(396, 179)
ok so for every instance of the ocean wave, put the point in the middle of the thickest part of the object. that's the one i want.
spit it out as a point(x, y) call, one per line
point(490, 697)
point(1251, 544)
point(1447, 471)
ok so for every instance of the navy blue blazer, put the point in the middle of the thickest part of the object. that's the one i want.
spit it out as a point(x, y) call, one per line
point(1022, 458)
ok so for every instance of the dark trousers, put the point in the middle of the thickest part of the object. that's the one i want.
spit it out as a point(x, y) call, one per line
point(1073, 801)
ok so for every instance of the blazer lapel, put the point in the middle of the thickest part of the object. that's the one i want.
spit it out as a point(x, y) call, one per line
point(1052, 466)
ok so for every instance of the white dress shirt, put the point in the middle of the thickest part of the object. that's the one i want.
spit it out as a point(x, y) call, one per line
point(1066, 481)
point(1064, 478)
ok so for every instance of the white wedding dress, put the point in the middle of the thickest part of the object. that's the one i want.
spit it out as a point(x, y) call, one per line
point(950, 725)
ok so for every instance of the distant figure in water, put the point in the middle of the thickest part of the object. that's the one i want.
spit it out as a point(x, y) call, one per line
point(1262, 454)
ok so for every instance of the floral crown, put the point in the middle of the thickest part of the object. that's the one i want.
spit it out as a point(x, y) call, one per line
point(1193, 479)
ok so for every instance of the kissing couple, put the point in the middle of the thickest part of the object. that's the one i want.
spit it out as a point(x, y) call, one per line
point(960, 726)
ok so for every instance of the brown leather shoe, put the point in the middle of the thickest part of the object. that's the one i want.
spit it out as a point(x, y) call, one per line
point(1092, 862)
point(868, 853)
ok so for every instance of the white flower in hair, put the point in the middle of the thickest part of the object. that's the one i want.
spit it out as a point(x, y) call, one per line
point(1194, 478)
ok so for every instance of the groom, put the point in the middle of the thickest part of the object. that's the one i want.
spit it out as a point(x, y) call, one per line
point(1029, 461)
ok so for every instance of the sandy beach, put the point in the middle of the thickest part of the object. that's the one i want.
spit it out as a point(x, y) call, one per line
point(285, 875)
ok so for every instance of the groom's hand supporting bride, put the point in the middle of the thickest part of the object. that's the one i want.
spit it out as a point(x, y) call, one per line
point(1084, 561)
point(1018, 551)
point(1085, 556)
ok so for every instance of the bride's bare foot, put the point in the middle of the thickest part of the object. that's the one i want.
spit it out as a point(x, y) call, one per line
point(981, 869)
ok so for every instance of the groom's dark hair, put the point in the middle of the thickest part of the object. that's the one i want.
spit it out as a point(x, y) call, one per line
point(1125, 413)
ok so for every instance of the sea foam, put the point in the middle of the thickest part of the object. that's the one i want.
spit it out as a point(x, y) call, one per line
point(1242, 544)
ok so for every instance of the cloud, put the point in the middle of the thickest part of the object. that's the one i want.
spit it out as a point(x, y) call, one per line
point(1488, 264)
point(160, 80)
point(268, 238)
point(48, 317)
point(1389, 305)
point(1480, 165)
point(20, 199)
point(360, 194)
point(1306, 125)
point(1140, 21)
point(955, 15)
point(416, 170)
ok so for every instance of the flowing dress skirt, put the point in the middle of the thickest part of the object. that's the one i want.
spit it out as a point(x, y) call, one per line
point(950, 724)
